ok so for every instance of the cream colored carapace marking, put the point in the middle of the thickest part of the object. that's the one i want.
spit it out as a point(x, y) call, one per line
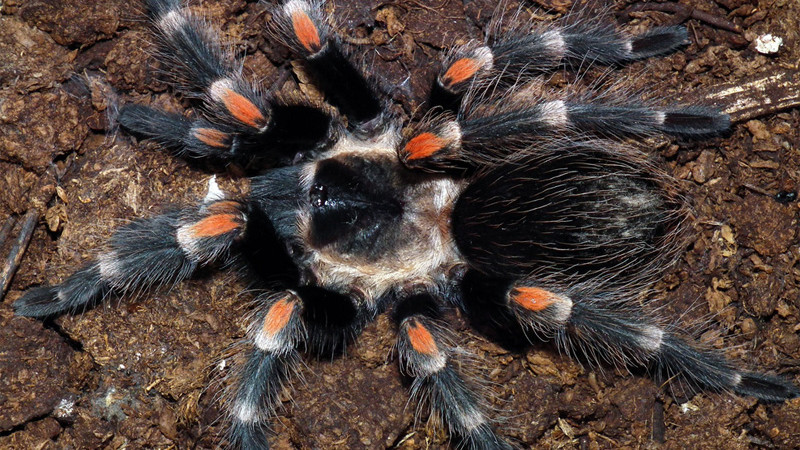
point(426, 217)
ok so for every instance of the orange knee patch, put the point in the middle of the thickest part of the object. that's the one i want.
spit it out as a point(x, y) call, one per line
point(532, 298)
point(215, 225)
point(278, 316)
point(461, 70)
point(305, 31)
point(223, 207)
point(211, 137)
point(421, 339)
point(424, 145)
point(242, 109)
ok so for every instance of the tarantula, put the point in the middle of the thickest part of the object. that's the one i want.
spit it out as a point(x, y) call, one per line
point(501, 198)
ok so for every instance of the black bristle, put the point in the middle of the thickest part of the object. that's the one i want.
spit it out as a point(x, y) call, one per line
point(148, 254)
point(168, 129)
point(695, 122)
point(766, 388)
point(658, 41)
point(595, 44)
point(40, 302)
point(77, 293)
point(613, 120)
point(700, 369)
point(250, 436)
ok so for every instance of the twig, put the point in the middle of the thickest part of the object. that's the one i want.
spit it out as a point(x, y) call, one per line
point(757, 190)
point(758, 95)
point(18, 249)
point(682, 12)
point(436, 9)
point(659, 427)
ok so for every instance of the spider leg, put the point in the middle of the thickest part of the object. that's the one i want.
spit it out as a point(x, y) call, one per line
point(621, 121)
point(293, 129)
point(270, 365)
point(158, 251)
point(606, 327)
point(284, 324)
point(300, 25)
point(241, 121)
point(518, 56)
point(503, 130)
point(425, 355)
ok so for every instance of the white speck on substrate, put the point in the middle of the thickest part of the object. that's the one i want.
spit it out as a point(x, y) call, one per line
point(64, 408)
point(767, 44)
point(688, 407)
point(214, 192)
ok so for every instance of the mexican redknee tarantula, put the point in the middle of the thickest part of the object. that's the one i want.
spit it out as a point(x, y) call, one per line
point(500, 196)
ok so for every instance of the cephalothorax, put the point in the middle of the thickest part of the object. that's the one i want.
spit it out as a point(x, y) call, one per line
point(501, 195)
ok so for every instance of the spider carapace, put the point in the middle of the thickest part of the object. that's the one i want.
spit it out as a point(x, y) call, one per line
point(501, 195)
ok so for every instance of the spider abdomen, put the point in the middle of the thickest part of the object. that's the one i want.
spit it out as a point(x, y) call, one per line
point(579, 210)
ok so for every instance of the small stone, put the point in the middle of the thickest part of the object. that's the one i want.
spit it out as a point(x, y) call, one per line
point(748, 327)
point(767, 44)
point(758, 130)
point(783, 310)
point(56, 217)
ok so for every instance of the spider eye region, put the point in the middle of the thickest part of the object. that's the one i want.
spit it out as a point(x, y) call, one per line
point(318, 196)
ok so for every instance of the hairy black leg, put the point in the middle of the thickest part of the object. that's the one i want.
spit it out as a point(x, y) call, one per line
point(516, 56)
point(603, 44)
point(293, 129)
point(270, 364)
point(505, 129)
point(285, 324)
point(609, 327)
point(427, 357)
point(621, 121)
point(271, 361)
point(198, 64)
point(301, 26)
point(184, 137)
point(243, 123)
point(159, 251)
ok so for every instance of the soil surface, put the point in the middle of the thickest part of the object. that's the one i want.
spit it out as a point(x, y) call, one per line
point(141, 372)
